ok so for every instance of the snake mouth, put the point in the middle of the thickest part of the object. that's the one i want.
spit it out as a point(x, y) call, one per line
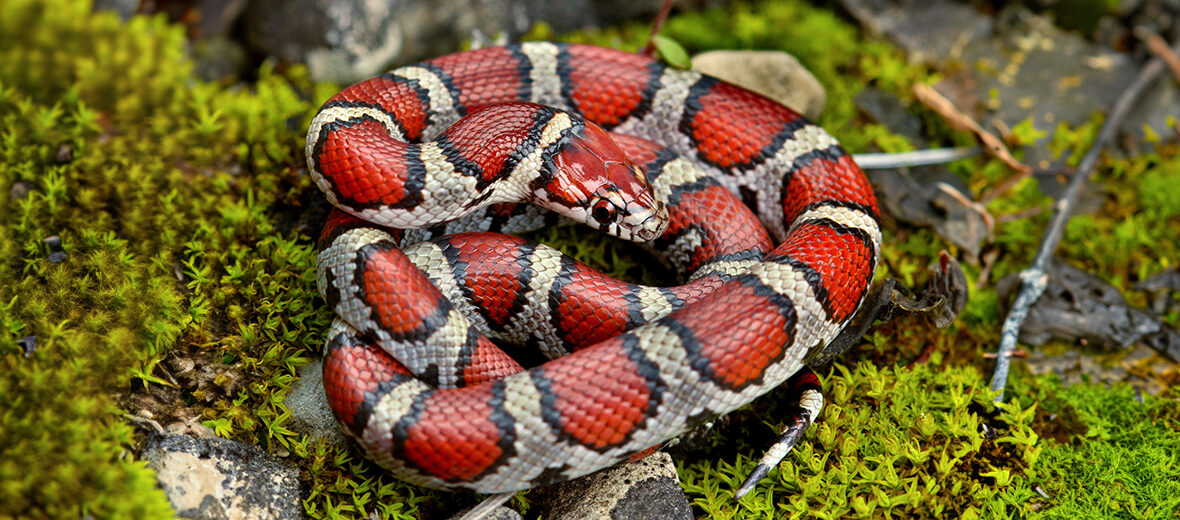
point(653, 226)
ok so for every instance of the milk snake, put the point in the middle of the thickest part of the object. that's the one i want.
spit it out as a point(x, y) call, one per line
point(730, 171)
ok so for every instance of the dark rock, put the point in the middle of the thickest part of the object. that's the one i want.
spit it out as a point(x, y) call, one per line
point(1053, 184)
point(218, 16)
point(932, 196)
point(886, 109)
point(1018, 66)
point(1162, 285)
point(57, 255)
point(774, 74)
point(1035, 70)
point(930, 31)
point(220, 478)
point(645, 489)
point(1079, 307)
point(346, 41)
point(1166, 341)
point(340, 41)
point(1154, 108)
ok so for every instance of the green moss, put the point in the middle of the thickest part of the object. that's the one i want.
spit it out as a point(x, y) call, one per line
point(908, 443)
point(1118, 460)
point(149, 178)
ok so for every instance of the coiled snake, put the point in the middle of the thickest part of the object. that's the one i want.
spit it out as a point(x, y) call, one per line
point(708, 172)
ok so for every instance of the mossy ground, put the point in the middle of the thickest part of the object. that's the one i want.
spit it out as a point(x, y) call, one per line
point(186, 219)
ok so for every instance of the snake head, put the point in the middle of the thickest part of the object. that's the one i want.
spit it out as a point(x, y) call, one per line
point(595, 183)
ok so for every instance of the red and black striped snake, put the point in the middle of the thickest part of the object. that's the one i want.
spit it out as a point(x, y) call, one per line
point(428, 164)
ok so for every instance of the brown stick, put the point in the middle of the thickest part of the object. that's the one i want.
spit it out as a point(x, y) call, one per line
point(992, 145)
point(1159, 47)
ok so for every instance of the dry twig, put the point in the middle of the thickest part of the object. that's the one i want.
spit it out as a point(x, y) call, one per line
point(992, 145)
point(1159, 47)
point(1034, 279)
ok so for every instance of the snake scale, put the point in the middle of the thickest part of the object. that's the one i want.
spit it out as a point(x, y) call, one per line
point(428, 164)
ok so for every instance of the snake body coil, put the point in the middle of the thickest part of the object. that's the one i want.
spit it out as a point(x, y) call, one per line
point(709, 172)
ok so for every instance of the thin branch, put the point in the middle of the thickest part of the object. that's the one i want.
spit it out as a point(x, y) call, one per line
point(884, 161)
point(992, 145)
point(1034, 279)
point(1159, 47)
point(649, 50)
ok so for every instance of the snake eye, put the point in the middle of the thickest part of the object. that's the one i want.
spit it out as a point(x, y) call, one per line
point(603, 212)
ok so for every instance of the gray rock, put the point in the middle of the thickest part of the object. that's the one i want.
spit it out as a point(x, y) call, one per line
point(346, 41)
point(774, 74)
point(1159, 103)
point(220, 478)
point(217, 58)
point(645, 489)
point(310, 413)
point(1035, 70)
point(886, 109)
point(339, 41)
point(934, 31)
point(1017, 66)
point(218, 16)
point(20, 190)
point(1140, 367)
point(1055, 76)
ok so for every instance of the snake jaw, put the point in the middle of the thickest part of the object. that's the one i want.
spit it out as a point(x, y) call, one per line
point(652, 225)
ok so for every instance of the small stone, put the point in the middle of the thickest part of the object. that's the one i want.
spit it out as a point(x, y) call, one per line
point(57, 255)
point(65, 154)
point(774, 74)
point(28, 344)
point(20, 190)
